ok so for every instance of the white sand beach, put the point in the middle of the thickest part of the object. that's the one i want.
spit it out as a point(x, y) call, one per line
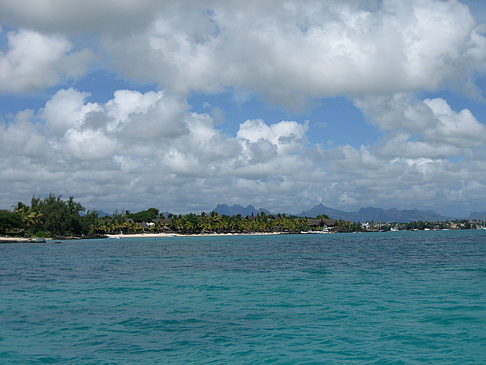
point(141, 235)
point(19, 239)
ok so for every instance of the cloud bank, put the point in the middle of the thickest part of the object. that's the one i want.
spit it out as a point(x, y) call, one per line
point(284, 51)
point(150, 148)
point(151, 145)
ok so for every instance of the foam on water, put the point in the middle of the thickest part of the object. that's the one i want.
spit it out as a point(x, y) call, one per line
point(398, 297)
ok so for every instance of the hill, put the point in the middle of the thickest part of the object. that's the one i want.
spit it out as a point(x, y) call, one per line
point(477, 216)
point(235, 209)
point(376, 214)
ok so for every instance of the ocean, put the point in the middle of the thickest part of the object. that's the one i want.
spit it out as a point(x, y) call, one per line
point(363, 298)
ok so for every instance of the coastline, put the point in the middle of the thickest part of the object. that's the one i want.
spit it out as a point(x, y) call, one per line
point(21, 239)
point(5, 240)
point(150, 235)
point(155, 235)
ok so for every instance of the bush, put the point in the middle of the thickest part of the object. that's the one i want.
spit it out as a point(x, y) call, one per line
point(41, 234)
point(10, 221)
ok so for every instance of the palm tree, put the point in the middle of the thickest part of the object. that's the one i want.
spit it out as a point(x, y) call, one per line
point(30, 217)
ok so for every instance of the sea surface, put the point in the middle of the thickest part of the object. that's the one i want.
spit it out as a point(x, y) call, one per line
point(366, 298)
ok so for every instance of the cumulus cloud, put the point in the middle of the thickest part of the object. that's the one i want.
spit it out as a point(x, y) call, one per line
point(150, 138)
point(285, 51)
point(421, 128)
point(89, 144)
point(289, 52)
point(457, 129)
point(191, 163)
point(141, 145)
point(286, 136)
point(150, 115)
point(176, 168)
point(88, 129)
point(23, 138)
point(34, 61)
point(397, 111)
point(79, 16)
point(66, 110)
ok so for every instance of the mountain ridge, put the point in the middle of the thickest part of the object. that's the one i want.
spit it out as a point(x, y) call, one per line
point(235, 209)
point(376, 214)
point(477, 215)
point(364, 214)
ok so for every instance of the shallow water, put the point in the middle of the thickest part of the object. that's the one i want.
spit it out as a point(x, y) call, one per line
point(388, 298)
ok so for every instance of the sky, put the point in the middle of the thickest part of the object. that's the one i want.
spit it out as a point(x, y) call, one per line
point(131, 104)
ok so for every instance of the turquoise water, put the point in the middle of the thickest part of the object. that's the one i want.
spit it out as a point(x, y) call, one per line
point(384, 298)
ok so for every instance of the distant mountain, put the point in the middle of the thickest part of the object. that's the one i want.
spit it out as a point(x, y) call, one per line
point(235, 209)
point(321, 209)
point(396, 215)
point(99, 212)
point(103, 214)
point(481, 216)
point(376, 214)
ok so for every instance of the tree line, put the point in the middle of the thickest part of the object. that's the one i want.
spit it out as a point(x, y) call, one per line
point(200, 223)
point(47, 217)
point(54, 217)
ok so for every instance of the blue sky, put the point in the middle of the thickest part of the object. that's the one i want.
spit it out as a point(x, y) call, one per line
point(282, 105)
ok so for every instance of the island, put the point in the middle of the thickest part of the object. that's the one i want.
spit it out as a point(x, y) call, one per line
point(55, 218)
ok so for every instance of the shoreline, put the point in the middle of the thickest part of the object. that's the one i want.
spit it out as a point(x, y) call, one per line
point(149, 235)
point(132, 235)
point(4, 239)
point(155, 235)
point(22, 239)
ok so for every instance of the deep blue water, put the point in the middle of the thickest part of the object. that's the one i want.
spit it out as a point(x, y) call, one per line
point(385, 298)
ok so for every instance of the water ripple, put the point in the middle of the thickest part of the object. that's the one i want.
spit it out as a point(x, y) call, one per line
point(390, 298)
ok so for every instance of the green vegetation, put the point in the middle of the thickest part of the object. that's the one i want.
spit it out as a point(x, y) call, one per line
point(55, 217)
point(203, 223)
point(48, 217)
point(10, 222)
point(145, 215)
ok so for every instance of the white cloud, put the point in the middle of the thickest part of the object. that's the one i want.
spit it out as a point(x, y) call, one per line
point(157, 129)
point(400, 145)
point(150, 115)
point(79, 16)
point(89, 144)
point(421, 128)
point(92, 137)
point(127, 102)
point(34, 61)
point(288, 52)
point(456, 129)
point(269, 164)
point(138, 146)
point(286, 136)
point(66, 110)
point(23, 138)
point(398, 111)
